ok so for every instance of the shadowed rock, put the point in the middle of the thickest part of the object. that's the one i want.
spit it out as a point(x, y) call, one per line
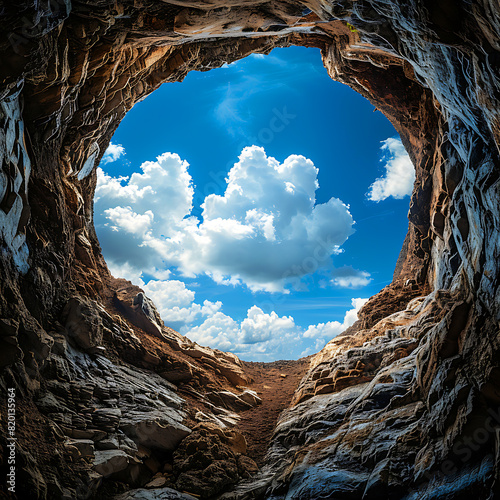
point(404, 405)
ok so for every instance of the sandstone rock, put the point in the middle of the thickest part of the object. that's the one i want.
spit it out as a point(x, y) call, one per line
point(113, 409)
point(230, 437)
point(234, 374)
point(152, 464)
point(135, 475)
point(140, 310)
point(85, 447)
point(92, 434)
point(413, 385)
point(151, 359)
point(83, 323)
point(117, 441)
point(107, 419)
point(236, 441)
point(227, 356)
point(221, 421)
point(72, 451)
point(155, 429)
point(8, 327)
point(228, 400)
point(109, 462)
point(178, 372)
point(157, 482)
point(197, 352)
point(11, 352)
point(155, 494)
point(246, 466)
point(250, 397)
point(205, 463)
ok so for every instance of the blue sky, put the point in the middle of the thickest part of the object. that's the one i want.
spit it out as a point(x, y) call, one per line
point(257, 204)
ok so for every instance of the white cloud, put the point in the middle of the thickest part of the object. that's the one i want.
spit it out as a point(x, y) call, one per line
point(145, 206)
point(348, 277)
point(260, 327)
point(351, 316)
point(334, 328)
point(399, 173)
point(268, 336)
point(257, 333)
point(259, 336)
point(175, 303)
point(265, 230)
point(124, 218)
point(126, 271)
point(218, 331)
point(112, 153)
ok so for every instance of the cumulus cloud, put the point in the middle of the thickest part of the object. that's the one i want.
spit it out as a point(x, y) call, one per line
point(259, 335)
point(218, 331)
point(348, 277)
point(261, 327)
point(126, 271)
point(262, 335)
point(265, 230)
point(112, 153)
point(399, 173)
point(334, 328)
point(176, 303)
point(130, 211)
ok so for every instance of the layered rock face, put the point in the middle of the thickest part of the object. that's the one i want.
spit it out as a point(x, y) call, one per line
point(404, 405)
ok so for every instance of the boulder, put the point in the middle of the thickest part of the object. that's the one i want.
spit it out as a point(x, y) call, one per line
point(157, 482)
point(84, 446)
point(10, 352)
point(109, 462)
point(154, 494)
point(227, 399)
point(234, 374)
point(83, 322)
point(118, 441)
point(250, 397)
point(139, 309)
point(154, 430)
point(246, 466)
point(206, 462)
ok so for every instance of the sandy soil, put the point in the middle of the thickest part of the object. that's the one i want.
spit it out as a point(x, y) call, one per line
point(257, 424)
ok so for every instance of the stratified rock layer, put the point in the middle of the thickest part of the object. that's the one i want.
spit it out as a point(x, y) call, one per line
point(404, 405)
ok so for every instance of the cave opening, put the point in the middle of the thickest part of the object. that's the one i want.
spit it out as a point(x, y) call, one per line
point(239, 272)
point(404, 407)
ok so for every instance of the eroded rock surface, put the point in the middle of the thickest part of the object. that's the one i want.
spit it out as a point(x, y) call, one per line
point(404, 405)
point(117, 420)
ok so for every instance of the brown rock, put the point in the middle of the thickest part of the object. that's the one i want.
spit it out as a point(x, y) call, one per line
point(157, 482)
point(428, 343)
point(246, 466)
point(139, 309)
point(83, 323)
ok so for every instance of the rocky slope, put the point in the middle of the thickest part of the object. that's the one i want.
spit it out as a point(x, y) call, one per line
point(405, 405)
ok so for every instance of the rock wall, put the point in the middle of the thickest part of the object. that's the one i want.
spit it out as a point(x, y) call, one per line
point(406, 404)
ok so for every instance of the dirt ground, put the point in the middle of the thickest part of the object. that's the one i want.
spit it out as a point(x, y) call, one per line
point(257, 424)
